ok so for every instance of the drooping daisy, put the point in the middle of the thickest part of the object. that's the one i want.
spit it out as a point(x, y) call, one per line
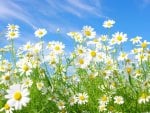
point(40, 32)
point(88, 32)
point(12, 35)
point(82, 98)
point(7, 108)
point(13, 27)
point(76, 36)
point(108, 23)
point(119, 37)
point(135, 40)
point(17, 96)
point(144, 98)
point(118, 100)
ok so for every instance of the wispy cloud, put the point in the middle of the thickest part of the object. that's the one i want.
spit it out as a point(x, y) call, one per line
point(50, 14)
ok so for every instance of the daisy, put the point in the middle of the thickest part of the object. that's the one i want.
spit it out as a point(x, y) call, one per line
point(5, 79)
point(58, 48)
point(24, 66)
point(82, 62)
point(27, 82)
point(40, 32)
point(88, 32)
point(108, 23)
point(120, 37)
point(13, 27)
point(7, 108)
point(76, 36)
point(104, 99)
point(135, 40)
point(144, 98)
point(17, 96)
point(104, 38)
point(141, 57)
point(82, 98)
point(73, 100)
point(12, 35)
point(144, 44)
point(118, 100)
point(40, 85)
point(80, 50)
point(123, 56)
point(102, 107)
point(61, 104)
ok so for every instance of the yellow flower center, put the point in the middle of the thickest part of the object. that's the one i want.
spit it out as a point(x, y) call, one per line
point(104, 98)
point(143, 96)
point(7, 77)
point(81, 61)
point(144, 45)
point(109, 24)
point(82, 97)
point(40, 33)
point(57, 48)
point(12, 34)
point(93, 53)
point(128, 69)
point(88, 33)
point(6, 107)
point(17, 95)
point(80, 51)
point(119, 38)
point(25, 68)
point(13, 27)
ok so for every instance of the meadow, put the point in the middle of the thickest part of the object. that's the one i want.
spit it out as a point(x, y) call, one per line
point(98, 76)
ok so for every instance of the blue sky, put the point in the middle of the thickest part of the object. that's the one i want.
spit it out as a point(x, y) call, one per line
point(131, 16)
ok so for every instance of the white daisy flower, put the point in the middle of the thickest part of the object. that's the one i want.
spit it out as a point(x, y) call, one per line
point(123, 56)
point(7, 108)
point(12, 35)
point(135, 40)
point(88, 32)
point(27, 82)
point(40, 32)
point(17, 96)
point(120, 37)
point(58, 48)
point(118, 100)
point(40, 85)
point(108, 23)
point(144, 98)
point(73, 100)
point(13, 27)
point(61, 104)
point(82, 98)
point(82, 61)
point(102, 107)
point(6, 78)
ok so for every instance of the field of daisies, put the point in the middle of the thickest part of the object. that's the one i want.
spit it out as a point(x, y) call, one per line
point(98, 76)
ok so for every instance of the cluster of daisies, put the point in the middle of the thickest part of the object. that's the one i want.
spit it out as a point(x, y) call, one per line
point(97, 76)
